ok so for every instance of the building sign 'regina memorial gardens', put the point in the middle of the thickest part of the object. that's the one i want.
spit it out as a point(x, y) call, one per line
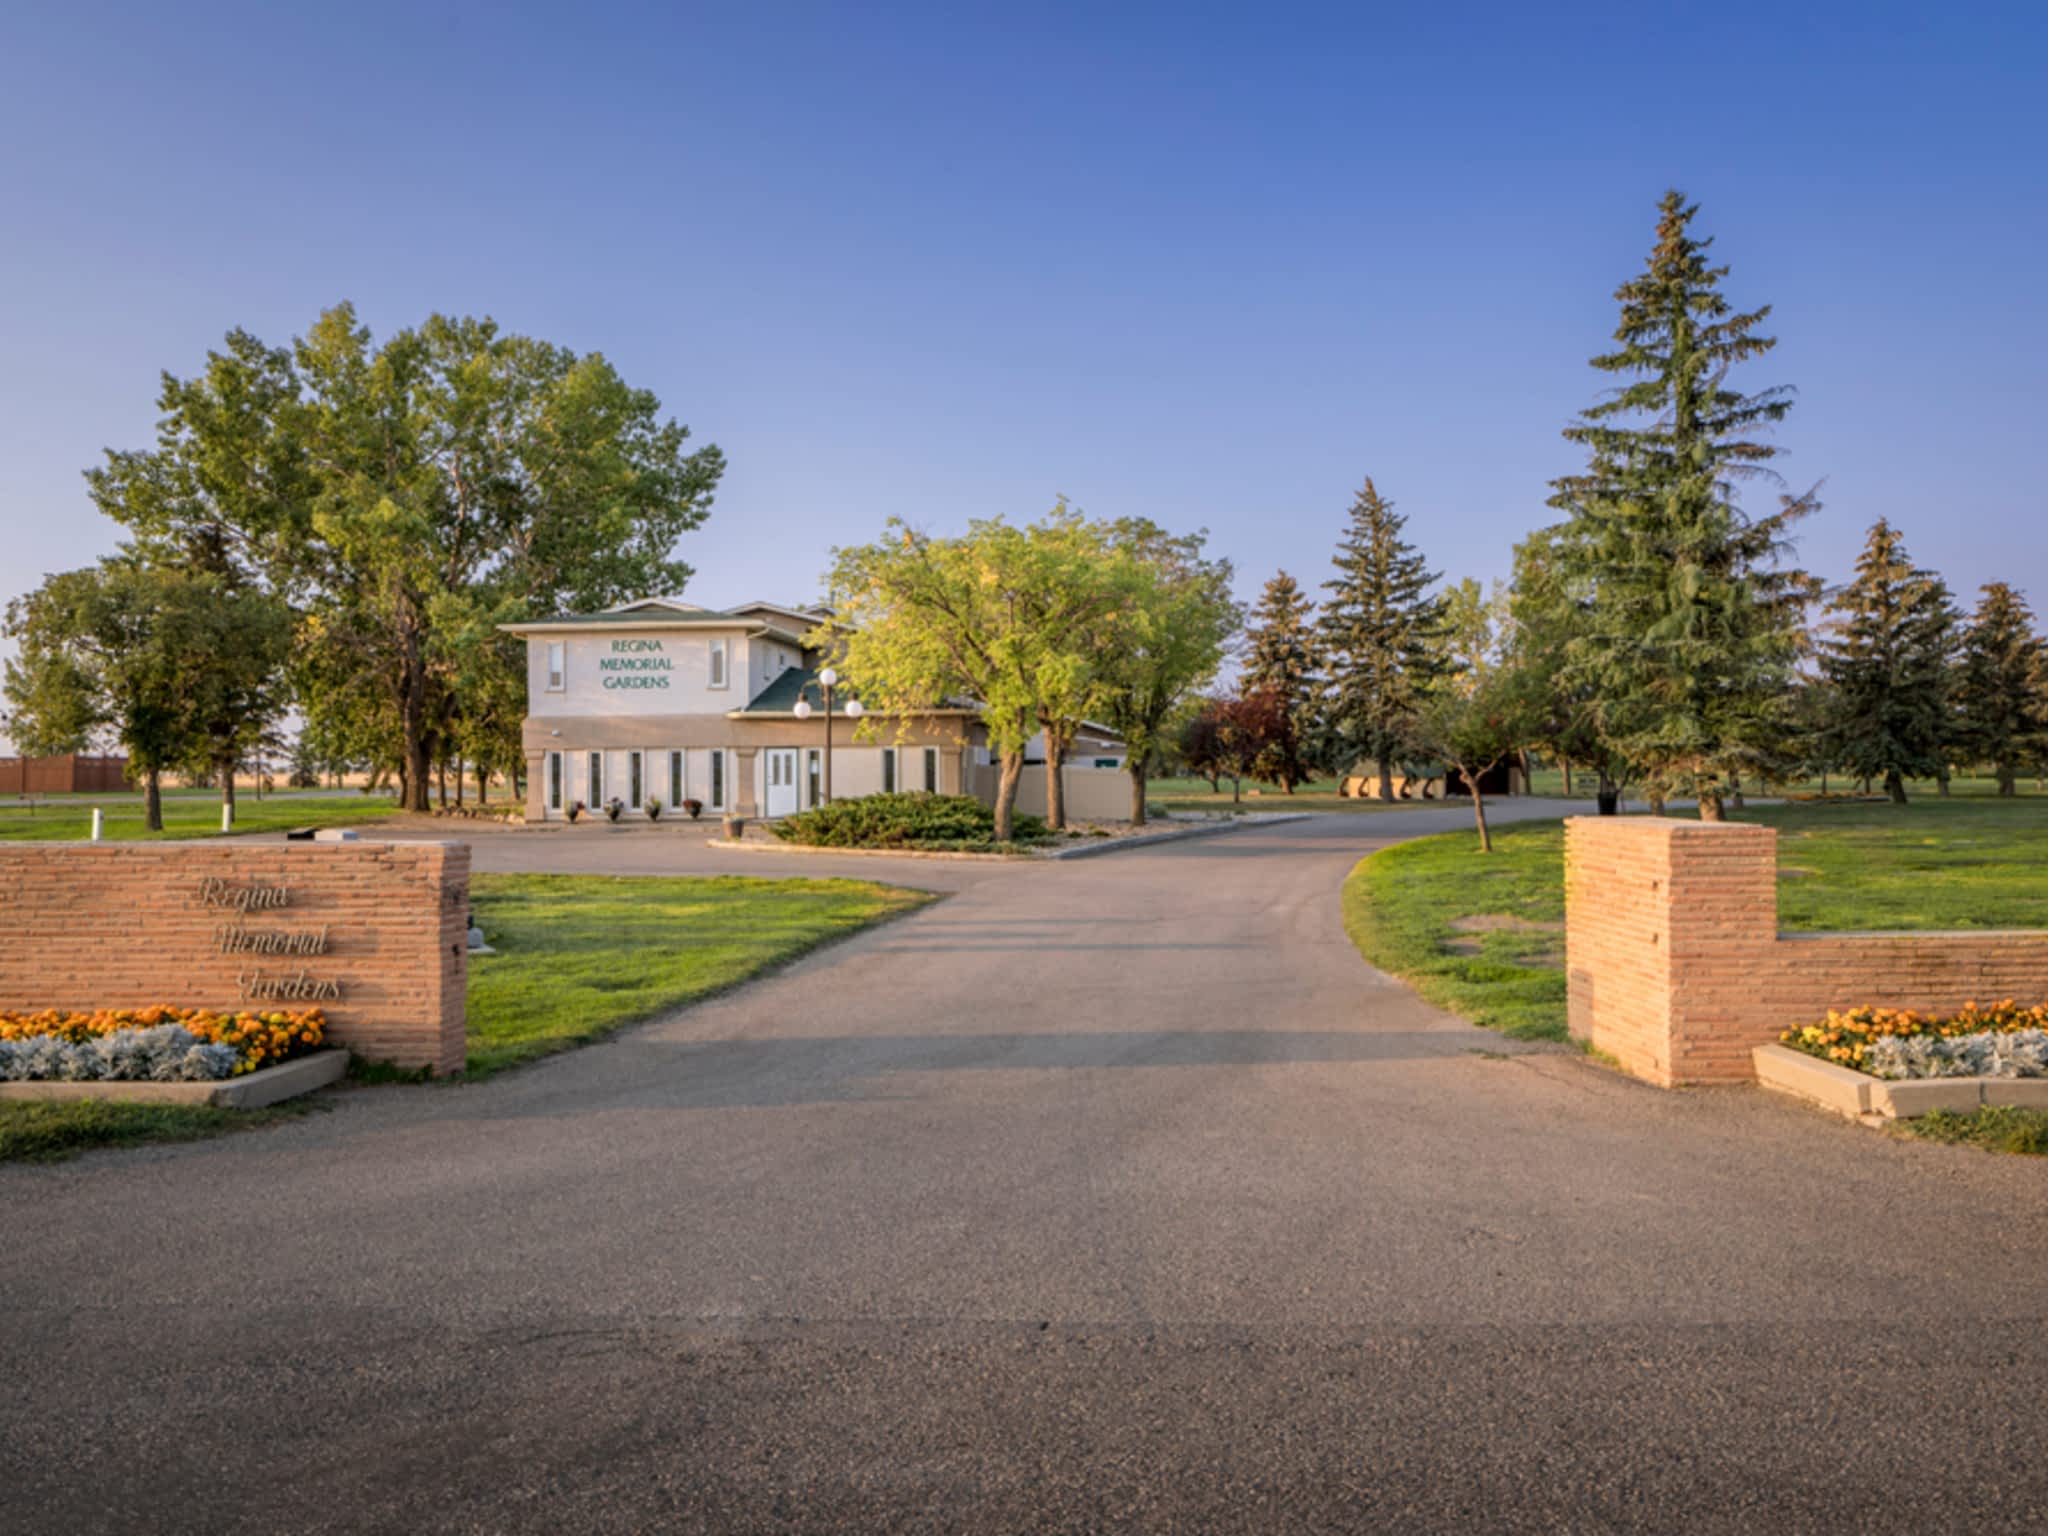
point(635, 664)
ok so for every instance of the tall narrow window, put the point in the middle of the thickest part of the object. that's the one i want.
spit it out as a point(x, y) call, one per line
point(718, 664)
point(596, 780)
point(888, 770)
point(554, 781)
point(717, 781)
point(931, 770)
point(558, 666)
point(633, 795)
point(675, 778)
point(811, 775)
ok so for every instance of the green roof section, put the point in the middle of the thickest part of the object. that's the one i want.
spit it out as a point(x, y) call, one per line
point(794, 683)
point(642, 616)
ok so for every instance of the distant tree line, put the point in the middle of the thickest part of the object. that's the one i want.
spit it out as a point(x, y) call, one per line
point(1657, 632)
point(339, 527)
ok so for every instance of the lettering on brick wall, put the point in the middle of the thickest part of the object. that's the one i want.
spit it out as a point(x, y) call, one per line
point(238, 938)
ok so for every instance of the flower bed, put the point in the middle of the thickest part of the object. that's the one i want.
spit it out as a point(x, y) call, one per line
point(152, 1044)
point(2003, 1040)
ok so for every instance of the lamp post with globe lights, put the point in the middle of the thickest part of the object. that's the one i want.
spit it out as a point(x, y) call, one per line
point(828, 680)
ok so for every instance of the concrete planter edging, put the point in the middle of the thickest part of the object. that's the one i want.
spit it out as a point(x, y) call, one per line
point(254, 1090)
point(1857, 1094)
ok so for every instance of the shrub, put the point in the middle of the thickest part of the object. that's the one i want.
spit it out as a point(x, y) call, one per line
point(614, 808)
point(137, 1044)
point(914, 821)
point(2003, 1040)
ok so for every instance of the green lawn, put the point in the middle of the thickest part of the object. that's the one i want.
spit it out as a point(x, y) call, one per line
point(51, 1132)
point(1550, 781)
point(580, 956)
point(1995, 1128)
point(1482, 935)
point(1316, 795)
point(69, 818)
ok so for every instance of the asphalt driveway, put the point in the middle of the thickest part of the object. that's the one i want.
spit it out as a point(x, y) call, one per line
point(1116, 1193)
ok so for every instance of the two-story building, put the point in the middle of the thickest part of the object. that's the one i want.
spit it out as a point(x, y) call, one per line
point(664, 699)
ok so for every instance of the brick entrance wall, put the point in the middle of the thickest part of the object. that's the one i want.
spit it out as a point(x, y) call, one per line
point(373, 933)
point(1676, 966)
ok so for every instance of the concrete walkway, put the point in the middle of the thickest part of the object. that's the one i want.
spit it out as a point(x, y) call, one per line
point(1107, 1194)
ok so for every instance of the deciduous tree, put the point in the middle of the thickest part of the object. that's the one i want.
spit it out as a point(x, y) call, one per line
point(1478, 725)
point(118, 647)
point(1165, 640)
point(922, 623)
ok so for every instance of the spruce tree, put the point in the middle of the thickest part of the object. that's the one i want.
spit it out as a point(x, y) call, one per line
point(2002, 687)
point(1379, 631)
point(1887, 666)
point(1281, 660)
point(1691, 624)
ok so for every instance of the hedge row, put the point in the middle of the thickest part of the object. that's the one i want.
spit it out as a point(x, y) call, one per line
point(915, 821)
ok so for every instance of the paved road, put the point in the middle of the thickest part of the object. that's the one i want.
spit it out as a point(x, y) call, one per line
point(1109, 1194)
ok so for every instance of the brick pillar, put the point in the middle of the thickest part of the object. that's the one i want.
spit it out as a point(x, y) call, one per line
point(742, 796)
point(1669, 934)
point(536, 785)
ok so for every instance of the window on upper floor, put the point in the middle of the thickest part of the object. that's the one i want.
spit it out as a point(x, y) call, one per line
point(718, 664)
point(558, 666)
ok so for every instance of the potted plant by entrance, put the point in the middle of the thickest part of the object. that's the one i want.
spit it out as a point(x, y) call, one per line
point(653, 807)
point(573, 810)
point(735, 828)
point(695, 808)
point(614, 808)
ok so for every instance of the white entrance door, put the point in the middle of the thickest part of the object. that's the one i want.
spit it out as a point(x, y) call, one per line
point(781, 781)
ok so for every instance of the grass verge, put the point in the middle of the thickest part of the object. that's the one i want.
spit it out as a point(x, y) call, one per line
point(1183, 794)
point(38, 1132)
point(581, 956)
point(1995, 1128)
point(1404, 905)
point(1481, 934)
point(71, 820)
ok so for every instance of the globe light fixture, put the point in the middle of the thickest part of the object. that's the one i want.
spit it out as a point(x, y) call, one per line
point(827, 681)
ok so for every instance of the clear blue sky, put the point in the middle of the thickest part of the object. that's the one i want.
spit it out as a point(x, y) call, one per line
point(1212, 265)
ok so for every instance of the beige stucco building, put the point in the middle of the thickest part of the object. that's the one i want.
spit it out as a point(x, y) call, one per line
point(664, 699)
